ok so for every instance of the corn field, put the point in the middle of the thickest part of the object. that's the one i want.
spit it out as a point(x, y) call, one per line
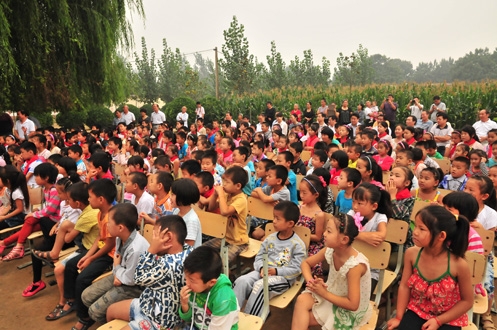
point(463, 100)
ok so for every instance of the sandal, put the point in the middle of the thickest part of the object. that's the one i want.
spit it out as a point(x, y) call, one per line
point(45, 256)
point(86, 324)
point(54, 315)
point(34, 288)
point(16, 253)
point(66, 312)
point(487, 323)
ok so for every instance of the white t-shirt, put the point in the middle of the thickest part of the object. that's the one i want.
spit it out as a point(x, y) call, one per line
point(372, 224)
point(128, 117)
point(68, 213)
point(487, 217)
point(145, 204)
point(482, 128)
point(28, 124)
point(200, 112)
point(441, 106)
point(193, 227)
point(183, 116)
point(17, 194)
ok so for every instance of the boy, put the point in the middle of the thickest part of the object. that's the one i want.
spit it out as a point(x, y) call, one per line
point(275, 191)
point(142, 200)
point(457, 178)
point(258, 151)
point(207, 299)
point(318, 160)
point(367, 137)
point(31, 160)
point(354, 152)
point(404, 158)
point(182, 145)
point(208, 164)
point(81, 270)
point(129, 245)
point(261, 172)
point(286, 251)
point(298, 166)
point(163, 164)
point(98, 167)
point(423, 145)
point(431, 149)
point(348, 180)
point(74, 152)
point(160, 271)
point(40, 142)
point(159, 184)
point(115, 145)
point(266, 131)
point(240, 158)
point(492, 161)
point(189, 168)
point(205, 184)
point(286, 159)
point(232, 203)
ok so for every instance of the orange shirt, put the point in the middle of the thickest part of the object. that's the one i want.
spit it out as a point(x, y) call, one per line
point(104, 234)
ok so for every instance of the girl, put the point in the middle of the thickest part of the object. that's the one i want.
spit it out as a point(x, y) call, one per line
point(370, 171)
point(441, 241)
point(399, 134)
point(492, 175)
point(344, 133)
point(292, 137)
point(469, 137)
point(10, 140)
point(324, 174)
point(45, 176)
point(428, 182)
point(491, 138)
point(185, 193)
point(226, 147)
point(428, 136)
point(313, 194)
point(339, 160)
point(383, 131)
point(409, 133)
point(4, 157)
point(461, 150)
point(383, 158)
point(276, 139)
point(15, 182)
point(343, 301)
point(191, 140)
point(478, 166)
point(172, 152)
point(313, 136)
point(455, 139)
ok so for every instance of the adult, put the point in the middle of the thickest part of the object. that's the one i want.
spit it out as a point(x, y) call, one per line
point(484, 125)
point(370, 112)
point(308, 113)
point(182, 117)
point(411, 121)
point(323, 108)
point(296, 111)
point(157, 117)
point(343, 113)
point(415, 107)
point(281, 122)
point(229, 117)
point(436, 107)
point(118, 118)
point(199, 110)
point(25, 127)
point(321, 121)
point(128, 116)
point(270, 112)
point(389, 107)
point(424, 122)
point(442, 132)
point(145, 119)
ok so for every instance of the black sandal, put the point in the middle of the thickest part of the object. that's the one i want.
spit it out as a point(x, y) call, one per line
point(86, 324)
point(54, 315)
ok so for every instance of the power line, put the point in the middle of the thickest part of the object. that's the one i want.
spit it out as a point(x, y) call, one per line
point(200, 51)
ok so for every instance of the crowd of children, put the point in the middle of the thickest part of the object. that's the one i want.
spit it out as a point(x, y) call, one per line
point(176, 277)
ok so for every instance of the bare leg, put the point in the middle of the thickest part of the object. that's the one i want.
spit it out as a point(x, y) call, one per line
point(119, 310)
point(302, 313)
point(59, 277)
point(65, 227)
point(258, 234)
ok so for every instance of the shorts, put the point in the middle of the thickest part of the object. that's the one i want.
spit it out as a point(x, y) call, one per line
point(139, 321)
point(69, 257)
point(489, 276)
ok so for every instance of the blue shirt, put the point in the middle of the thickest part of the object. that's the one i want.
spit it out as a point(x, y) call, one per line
point(344, 204)
point(292, 186)
point(182, 151)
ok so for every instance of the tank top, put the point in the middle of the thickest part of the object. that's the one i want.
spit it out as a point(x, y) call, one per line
point(424, 200)
point(430, 298)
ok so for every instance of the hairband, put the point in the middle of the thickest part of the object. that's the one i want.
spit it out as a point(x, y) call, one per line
point(12, 137)
point(309, 182)
point(370, 163)
point(386, 142)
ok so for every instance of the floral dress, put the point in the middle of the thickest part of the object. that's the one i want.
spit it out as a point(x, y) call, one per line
point(332, 317)
point(314, 247)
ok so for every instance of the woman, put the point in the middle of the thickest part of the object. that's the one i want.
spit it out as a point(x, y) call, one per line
point(309, 113)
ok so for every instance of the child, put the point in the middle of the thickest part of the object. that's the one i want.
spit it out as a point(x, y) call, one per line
point(370, 171)
point(240, 158)
point(172, 152)
point(81, 270)
point(261, 172)
point(469, 137)
point(399, 135)
point(208, 163)
point(40, 142)
point(158, 269)
point(142, 200)
point(367, 138)
point(98, 167)
point(258, 151)
point(324, 174)
point(456, 180)
point(455, 140)
point(163, 164)
point(477, 160)
point(339, 161)
point(313, 137)
point(159, 184)
point(431, 149)
point(182, 145)
point(383, 158)
point(45, 176)
point(441, 241)
point(184, 193)
point(74, 152)
point(286, 251)
point(417, 158)
point(348, 180)
point(318, 159)
point(298, 166)
point(207, 299)
point(232, 203)
point(205, 185)
point(492, 158)
point(189, 168)
point(31, 161)
point(409, 132)
point(116, 151)
point(429, 181)
point(343, 301)
point(275, 191)
point(286, 158)
point(492, 175)
point(353, 152)
point(226, 147)
point(129, 246)
point(13, 180)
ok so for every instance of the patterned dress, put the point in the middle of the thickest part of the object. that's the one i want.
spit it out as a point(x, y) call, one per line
point(314, 247)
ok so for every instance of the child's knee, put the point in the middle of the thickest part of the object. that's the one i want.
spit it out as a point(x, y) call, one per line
point(258, 233)
point(59, 270)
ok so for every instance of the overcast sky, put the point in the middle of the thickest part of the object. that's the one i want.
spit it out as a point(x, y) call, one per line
point(418, 31)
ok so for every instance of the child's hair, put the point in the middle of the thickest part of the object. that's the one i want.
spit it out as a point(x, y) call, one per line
point(368, 133)
point(268, 163)
point(387, 146)
point(206, 178)
point(290, 210)
point(437, 173)
point(28, 146)
point(259, 144)
point(103, 188)
point(144, 150)
point(323, 157)
point(55, 158)
point(174, 224)
point(244, 151)
point(403, 146)
point(372, 165)
point(139, 179)
point(463, 160)
point(357, 148)
point(186, 192)
point(347, 226)
point(341, 157)
point(430, 144)
point(75, 148)
point(353, 175)
point(231, 144)
point(288, 156)
point(297, 146)
point(314, 127)
point(117, 141)
point(471, 132)
point(417, 154)
point(169, 135)
point(47, 171)
point(465, 203)
point(237, 175)
point(210, 154)
point(437, 219)
point(486, 187)
point(78, 192)
point(281, 173)
point(173, 148)
point(94, 147)
point(478, 152)
point(411, 129)
point(409, 175)
point(69, 165)
point(418, 133)
point(191, 166)
point(136, 161)
point(158, 152)
point(165, 179)
point(14, 179)
point(316, 185)
point(206, 261)
point(125, 214)
point(101, 159)
point(163, 161)
point(369, 192)
point(323, 173)
point(320, 145)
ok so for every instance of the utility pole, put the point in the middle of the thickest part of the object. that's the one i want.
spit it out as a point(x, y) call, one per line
point(216, 73)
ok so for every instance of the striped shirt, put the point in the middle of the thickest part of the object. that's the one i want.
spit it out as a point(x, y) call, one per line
point(52, 206)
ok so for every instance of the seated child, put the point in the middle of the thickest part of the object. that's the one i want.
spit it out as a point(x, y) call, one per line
point(135, 185)
point(261, 170)
point(298, 166)
point(185, 193)
point(189, 168)
point(457, 178)
point(419, 165)
point(318, 159)
point(349, 179)
point(159, 184)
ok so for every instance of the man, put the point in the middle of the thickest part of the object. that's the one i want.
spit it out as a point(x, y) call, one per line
point(354, 123)
point(258, 127)
point(118, 118)
point(415, 107)
point(425, 123)
point(411, 121)
point(229, 117)
point(199, 110)
point(436, 107)
point(389, 107)
point(182, 117)
point(158, 117)
point(442, 132)
point(321, 121)
point(128, 116)
point(270, 112)
point(145, 119)
point(24, 128)
point(484, 125)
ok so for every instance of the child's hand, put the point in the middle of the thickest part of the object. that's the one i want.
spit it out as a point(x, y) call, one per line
point(317, 286)
point(393, 324)
point(184, 298)
point(431, 324)
point(83, 263)
point(391, 188)
point(28, 215)
point(117, 282)
point(270, 272)
point(219, 190)
point(476, 224)
point(373, 239)
point(117, 259)
point(54, 230)
point(160, 241)
point(146, 217)
point(92, 173)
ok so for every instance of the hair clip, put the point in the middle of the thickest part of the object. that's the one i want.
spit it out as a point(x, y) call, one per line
point(322, 181)
point(357, 220)
point(342, 217)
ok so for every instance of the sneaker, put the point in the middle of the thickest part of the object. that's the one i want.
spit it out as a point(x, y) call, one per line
point(33, 289)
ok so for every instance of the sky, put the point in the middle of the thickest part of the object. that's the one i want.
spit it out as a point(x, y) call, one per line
point(417, 31)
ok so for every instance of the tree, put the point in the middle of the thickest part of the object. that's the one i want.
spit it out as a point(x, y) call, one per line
point(355, 69)
point(304, 72)
point(276, 74)
point(476, 66)
point(56, 54)
point(172, 77)
point(148, 88)
point(387, 70)
point(238, 64)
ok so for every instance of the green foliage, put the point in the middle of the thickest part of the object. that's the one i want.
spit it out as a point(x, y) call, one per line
point(99, 115)
point(355, 69)
point(71, 119)
point(45, 118)
point(172, 108)
point(212, 108)
point(388, 70)
point(147, 75)
point(303, 72)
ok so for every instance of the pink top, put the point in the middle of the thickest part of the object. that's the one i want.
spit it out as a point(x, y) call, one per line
point(474, 242)
point(52, 206)
point(385, 162)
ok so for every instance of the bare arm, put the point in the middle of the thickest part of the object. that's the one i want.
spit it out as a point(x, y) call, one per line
point(374, 238)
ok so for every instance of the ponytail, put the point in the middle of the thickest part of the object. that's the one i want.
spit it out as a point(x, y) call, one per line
point(459, 242)
point(369, 192)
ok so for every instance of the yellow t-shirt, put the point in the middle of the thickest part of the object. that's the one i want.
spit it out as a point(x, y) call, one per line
point(103, 233)
point(236, 233)
point(87, 224)
point(352, 164)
